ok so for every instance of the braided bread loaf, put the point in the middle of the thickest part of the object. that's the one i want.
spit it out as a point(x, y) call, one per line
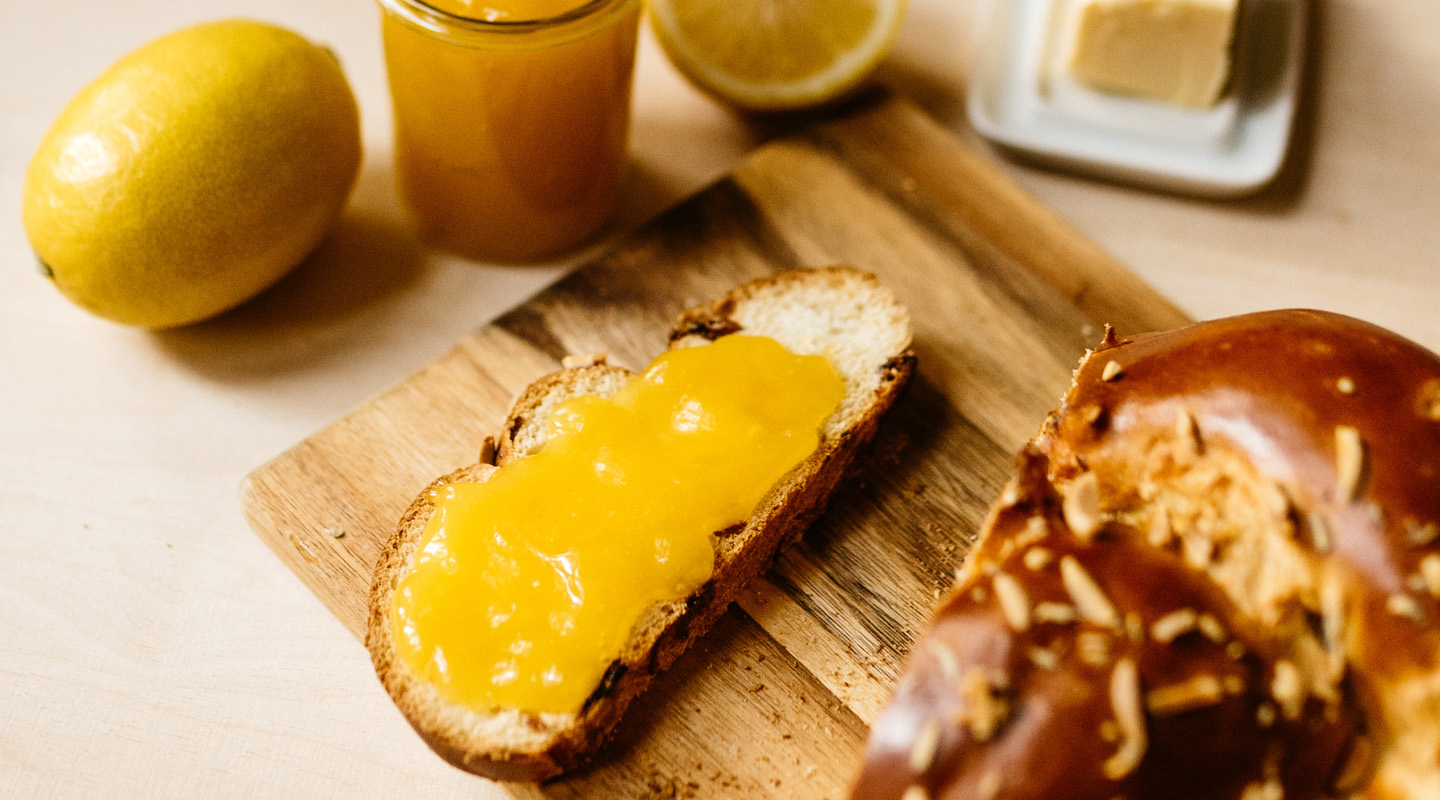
point(1214, 576)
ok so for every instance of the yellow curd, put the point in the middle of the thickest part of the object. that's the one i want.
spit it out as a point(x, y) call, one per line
point(505, 10)
point(511, 119)
point(525, 587)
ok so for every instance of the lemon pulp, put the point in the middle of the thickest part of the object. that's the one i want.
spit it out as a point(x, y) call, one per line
point(775, 54)
point(525, 587)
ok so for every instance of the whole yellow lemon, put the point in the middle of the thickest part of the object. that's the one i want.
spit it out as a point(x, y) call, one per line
point(195, 172)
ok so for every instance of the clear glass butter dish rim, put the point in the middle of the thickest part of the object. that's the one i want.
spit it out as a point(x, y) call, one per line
point(1019, 99)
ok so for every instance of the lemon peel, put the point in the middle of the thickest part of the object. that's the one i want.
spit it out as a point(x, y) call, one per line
point(194, 173)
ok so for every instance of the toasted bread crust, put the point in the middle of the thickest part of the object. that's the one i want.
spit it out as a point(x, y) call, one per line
point(510, 745)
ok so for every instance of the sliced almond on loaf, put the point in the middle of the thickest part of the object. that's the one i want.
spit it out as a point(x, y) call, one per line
point(839, 312)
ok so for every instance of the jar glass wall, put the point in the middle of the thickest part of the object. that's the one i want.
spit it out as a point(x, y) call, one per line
point(510, 134)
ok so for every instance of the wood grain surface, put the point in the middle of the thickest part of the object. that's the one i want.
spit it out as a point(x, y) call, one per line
point(775, 701)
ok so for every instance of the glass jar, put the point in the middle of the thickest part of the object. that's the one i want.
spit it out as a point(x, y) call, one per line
point(510, 134)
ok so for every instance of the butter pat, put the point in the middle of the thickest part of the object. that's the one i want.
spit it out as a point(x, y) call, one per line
point(1174, 51)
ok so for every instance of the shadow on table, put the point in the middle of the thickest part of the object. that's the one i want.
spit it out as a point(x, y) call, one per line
point(311, 316)
point(372, 290)
point(1288, 188)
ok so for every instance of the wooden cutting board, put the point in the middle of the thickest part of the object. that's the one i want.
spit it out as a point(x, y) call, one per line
point(775, 701)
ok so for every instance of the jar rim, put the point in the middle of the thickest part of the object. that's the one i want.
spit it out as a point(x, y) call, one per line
point(428, 17)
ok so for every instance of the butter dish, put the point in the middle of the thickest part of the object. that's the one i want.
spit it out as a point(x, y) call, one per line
point(1020, 99)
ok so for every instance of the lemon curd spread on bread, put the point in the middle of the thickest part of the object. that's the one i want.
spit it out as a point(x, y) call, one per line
point(526, 587)
point(843, 317)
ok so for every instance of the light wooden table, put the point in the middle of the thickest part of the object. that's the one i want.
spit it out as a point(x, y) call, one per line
point(150, 645)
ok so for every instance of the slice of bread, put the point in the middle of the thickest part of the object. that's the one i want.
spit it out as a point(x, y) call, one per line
point(839, 312)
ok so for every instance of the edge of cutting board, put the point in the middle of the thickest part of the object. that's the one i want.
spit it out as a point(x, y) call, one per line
point(779, 693)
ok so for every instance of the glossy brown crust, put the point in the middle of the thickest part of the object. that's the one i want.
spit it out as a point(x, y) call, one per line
point(1271, 384)
point(1343, 419)
point(1277, 386)
point(1061, 727)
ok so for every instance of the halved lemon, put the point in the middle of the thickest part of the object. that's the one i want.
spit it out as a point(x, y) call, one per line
point(776, 54)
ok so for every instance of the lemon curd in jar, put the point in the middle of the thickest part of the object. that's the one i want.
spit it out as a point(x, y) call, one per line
point(525, 587)
point(511, 118)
